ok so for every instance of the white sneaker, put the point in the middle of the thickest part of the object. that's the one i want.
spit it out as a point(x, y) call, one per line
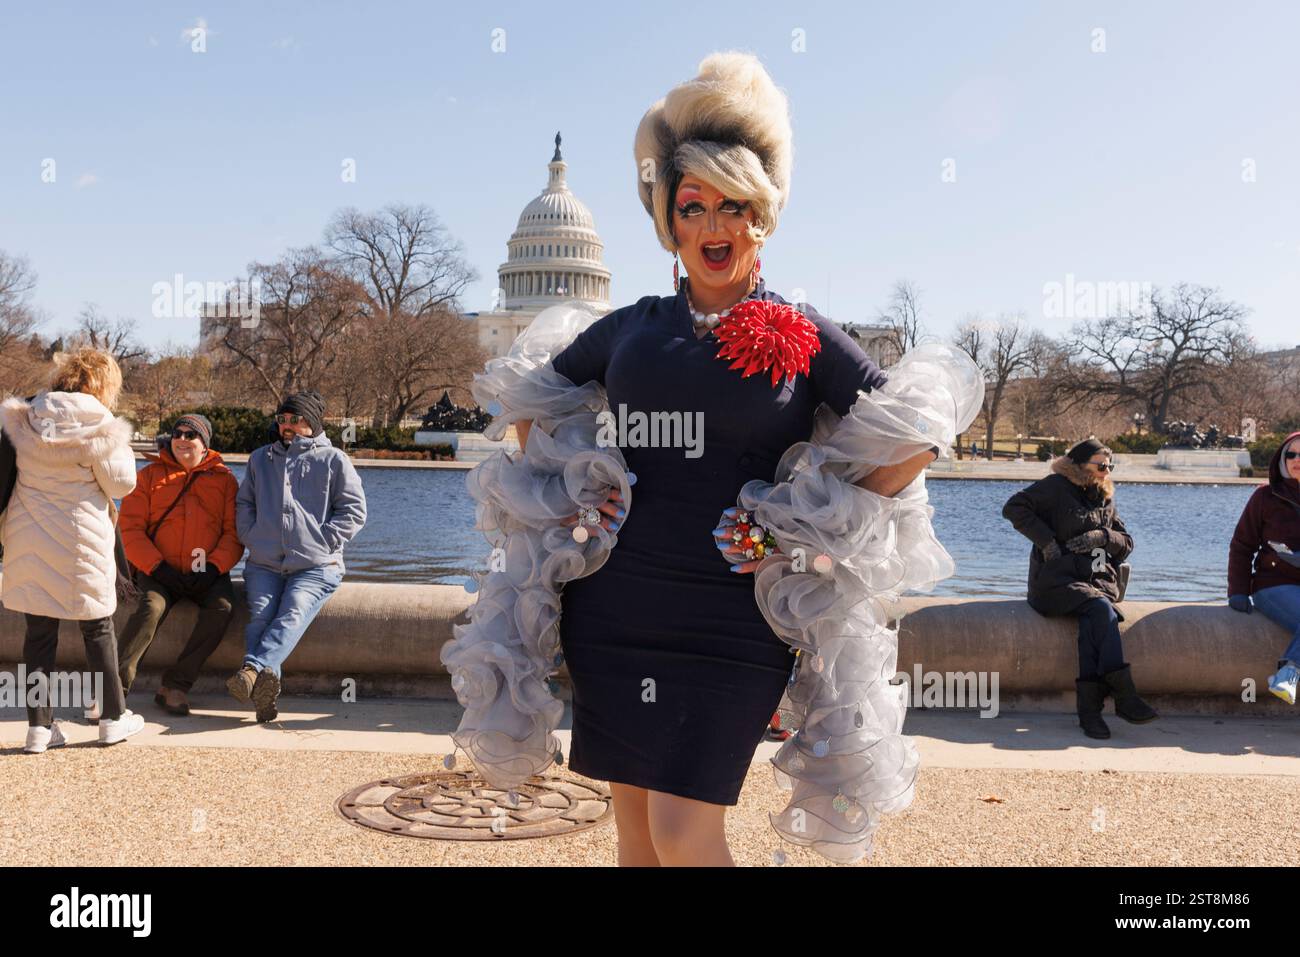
point(115, 732)
point(1283, 684)
point(40, 738)
point(92, 714)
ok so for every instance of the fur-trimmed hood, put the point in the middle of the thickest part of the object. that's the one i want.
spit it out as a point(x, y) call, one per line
point(63, 427)
point(1080, 476)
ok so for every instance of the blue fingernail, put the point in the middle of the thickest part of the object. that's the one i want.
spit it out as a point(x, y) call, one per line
point(613, 526)
point(735, 568)
point(621, 513)
point(723, 546)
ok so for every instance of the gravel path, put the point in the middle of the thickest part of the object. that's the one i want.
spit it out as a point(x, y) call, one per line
point(86, 805)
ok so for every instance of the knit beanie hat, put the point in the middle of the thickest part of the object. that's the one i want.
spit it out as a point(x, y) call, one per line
point(310, 405)
point(1086, 450)
point(199, 423)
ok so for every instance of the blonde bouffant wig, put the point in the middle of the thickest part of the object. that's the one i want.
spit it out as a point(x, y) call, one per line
point(91, 371)
point(730, 126)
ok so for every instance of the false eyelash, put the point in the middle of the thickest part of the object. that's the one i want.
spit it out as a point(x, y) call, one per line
point(741, 206)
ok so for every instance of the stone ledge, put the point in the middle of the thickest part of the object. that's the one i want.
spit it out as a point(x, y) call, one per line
point(388, 636)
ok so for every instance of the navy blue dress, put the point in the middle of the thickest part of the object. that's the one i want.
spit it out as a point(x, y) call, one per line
point(675, 672)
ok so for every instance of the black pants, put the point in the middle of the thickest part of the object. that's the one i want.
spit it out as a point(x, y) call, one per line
point(39, 647)
point(1100, 648)
point(216, 606)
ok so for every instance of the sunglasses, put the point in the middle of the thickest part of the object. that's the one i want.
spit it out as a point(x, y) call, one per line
point(1103, 466)
point(187, 434)
point(288, 418)
point(1291, 455)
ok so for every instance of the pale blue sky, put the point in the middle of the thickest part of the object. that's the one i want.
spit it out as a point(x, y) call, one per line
point(1123, 165)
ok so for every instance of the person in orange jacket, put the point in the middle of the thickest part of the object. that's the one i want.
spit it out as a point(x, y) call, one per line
point(178, 530)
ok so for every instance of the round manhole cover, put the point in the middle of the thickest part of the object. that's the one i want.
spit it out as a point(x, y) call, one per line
point(461, 806)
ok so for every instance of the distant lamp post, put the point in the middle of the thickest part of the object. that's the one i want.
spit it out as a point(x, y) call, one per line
point(1138, 419)
point(1019, 439)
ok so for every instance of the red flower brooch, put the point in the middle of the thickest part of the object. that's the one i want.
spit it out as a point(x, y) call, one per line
point(759, 335)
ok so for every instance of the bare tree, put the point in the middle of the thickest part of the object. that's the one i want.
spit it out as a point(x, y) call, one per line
point(116, 337)
point(413, 273)
point(1029, 396)
point(419, 358)
point(23, 365)
point(402, 256)
point(1246, 386)
point(164, 382)
point(1153, 359)
point(1004, 350)
point(18, 319)
point(903, 316)
point(349, 388)
point(307, 313)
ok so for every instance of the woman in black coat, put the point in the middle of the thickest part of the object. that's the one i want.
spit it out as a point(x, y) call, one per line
point(1079, 543)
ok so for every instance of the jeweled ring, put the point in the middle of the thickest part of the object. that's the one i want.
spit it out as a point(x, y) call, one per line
point(586, 516)
point(753, 541)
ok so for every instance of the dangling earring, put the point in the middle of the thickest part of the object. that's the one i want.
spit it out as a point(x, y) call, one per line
point(758, 266)
point(677, 286)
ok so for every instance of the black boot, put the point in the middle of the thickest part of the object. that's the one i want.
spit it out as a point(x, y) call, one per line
point(1090, 696)
point(1128, 704)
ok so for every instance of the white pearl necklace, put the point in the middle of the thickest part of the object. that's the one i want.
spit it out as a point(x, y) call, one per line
point(712, 319)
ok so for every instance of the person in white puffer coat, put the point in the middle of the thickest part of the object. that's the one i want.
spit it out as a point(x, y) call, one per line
point(73, 458)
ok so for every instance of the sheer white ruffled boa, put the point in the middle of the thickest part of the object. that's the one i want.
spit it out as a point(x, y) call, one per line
point(848, 763)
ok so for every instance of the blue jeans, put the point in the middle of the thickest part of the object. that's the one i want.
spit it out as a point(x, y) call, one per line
point(1282, 604)
point(280, 608)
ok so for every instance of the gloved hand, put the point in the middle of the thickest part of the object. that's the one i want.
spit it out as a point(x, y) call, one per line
point(1115, 543)
point(1097, 538)
point(198, 583)
point(1239, 603)
point(169, 578)
point(1052, 551)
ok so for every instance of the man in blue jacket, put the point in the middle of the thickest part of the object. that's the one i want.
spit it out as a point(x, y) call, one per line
point(300, 502)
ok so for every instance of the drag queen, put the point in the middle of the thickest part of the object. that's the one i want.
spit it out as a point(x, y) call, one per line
point(757, 561)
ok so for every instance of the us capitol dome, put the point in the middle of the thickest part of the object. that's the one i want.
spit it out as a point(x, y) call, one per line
point(554, 255)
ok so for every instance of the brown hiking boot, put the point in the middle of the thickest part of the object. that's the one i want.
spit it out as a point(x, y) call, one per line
point(240, 684)
point(172, 700)
point(265, 692)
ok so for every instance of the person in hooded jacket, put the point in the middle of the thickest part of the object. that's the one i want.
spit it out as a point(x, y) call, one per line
point(1079, 543)
point(178, 530)
point(1264, 559)
point(73, 458)
point(300, 502)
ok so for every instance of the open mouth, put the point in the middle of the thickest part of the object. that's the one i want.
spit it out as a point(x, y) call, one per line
point(716, 255)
